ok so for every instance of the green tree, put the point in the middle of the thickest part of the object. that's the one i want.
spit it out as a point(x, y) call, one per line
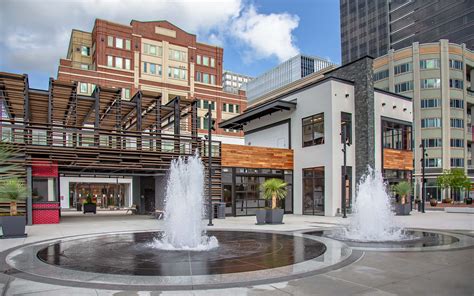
point(274, 189)
point(7, 167)
point(454, 179)
point(403, 189)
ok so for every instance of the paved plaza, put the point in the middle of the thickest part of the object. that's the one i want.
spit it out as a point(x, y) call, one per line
point(447, 272)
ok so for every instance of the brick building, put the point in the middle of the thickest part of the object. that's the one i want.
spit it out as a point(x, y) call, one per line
point(152, 56)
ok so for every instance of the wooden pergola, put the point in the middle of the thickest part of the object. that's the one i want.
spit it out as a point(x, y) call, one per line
point(100, 134)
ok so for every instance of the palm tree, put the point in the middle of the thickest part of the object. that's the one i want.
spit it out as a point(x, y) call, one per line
point(274, 189)
point(403, 189)
point(7, 152)
point(12, 190)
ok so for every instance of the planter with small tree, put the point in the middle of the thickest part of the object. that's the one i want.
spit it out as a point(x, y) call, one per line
point(403, 189)
point(433, 202)
point(274, 189)
point(89, 206)
point(12, 190)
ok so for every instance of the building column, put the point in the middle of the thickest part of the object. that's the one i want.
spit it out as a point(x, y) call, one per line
point(417, 114)
point(445, 108)
point(29, 197)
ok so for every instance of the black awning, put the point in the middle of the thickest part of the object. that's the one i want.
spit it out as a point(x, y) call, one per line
point(237, 122)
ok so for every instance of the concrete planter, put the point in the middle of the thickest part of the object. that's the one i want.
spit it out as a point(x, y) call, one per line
point(89, 208)
point(274, 216)
point(468, 201)
point(261, 216)
point(403, 210)
point(13, 226)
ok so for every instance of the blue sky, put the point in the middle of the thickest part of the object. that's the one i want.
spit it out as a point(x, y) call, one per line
point(256, 34)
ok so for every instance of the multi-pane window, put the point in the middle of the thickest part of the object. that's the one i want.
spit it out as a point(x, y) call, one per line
point(126, 93)
point(233, 108)
point(205, 61)
point(110, 41)
point(177, 73)
point(456, 83)
point(457, 162)
point(198, 76)
point(213, 62)
point(83, 88)
point(429, 64)
point(380, 75)
point(399, 69)
point(430, 122)
point(152, 50)
point(205, 104)
point(457, 123)
point(128, 44)
point(456, 103)
point(119, 42)
point(198, 59)
point(432, 143)
point(127, 64)
point(404, 86)
point(213, 79)
point(396, 136)
point(110, 61)
point(313, 130)
point(430, 103)
point(152, 69)
point(85, 51)
point(430, 83)
point(455, 64)
point(118, 62)
point(432, 162)
point(205, 78)
point(346, 124)
point(457, 143)
point(177, 55)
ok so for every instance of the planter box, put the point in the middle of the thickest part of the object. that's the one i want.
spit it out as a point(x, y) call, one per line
point(468, 201)
point(261, 216)
point(79, 207)
point(403, 210)
point(13, 226)
point(89, 208)
point(274, 216)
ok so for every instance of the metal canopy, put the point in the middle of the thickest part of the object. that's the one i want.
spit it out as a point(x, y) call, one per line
point(239, 121)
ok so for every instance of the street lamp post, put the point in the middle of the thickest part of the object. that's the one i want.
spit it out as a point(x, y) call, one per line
point(423, 181)
point(210, 128)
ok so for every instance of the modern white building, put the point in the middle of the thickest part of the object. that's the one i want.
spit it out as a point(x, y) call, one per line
point(285, 73)
point(308, 116)
point(233, 82)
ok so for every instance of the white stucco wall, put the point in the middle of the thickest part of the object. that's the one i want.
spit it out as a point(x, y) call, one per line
point(276, 136)
point(384, 107)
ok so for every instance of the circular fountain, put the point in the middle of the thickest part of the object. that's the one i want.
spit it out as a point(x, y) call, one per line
point(372, 225)
point(181, 256)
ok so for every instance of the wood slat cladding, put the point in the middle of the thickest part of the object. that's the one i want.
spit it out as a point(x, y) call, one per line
point(397, 159)
point(256, 157)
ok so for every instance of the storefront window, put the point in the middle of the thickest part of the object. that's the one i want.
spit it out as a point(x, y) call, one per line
point(44, 189)
point(313, 191)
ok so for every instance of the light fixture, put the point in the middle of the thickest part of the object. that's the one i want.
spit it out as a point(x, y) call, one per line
point(383, 104)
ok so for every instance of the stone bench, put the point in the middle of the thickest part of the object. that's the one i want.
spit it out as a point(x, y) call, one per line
point(465, 210)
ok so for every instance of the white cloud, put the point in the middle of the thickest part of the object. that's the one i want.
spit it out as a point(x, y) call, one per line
point(266, 34)
point(36, 33)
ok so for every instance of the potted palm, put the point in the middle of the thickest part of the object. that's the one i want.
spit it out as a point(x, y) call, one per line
point(274, 189)
point(89, 206)
point(403, 189)
point(13, 224)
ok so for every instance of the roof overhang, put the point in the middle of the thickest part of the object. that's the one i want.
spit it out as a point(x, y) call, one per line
point(239, 121)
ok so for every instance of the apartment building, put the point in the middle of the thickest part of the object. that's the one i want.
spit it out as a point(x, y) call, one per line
point(283, 74)
point(438, 76)
point(373, 27)
point(154, 56)
point(233, 82)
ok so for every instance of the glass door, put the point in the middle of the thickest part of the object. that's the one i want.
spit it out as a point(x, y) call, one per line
point(313, 191)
